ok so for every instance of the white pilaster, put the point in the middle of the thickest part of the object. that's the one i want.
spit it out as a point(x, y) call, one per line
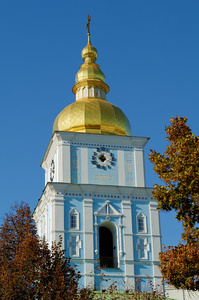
point(57, 210)
point(128, 240)
point(139, 167)
point(121, 168)
point(88, 242)
point(155, 240)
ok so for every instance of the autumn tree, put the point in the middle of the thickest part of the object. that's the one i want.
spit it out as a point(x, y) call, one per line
point(178, 168)
point(29, 268)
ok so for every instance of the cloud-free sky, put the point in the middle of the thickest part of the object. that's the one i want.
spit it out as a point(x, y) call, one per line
point(148, 51)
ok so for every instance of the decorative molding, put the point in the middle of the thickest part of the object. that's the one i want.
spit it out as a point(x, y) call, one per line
point(74, 244)
point(140, 216)
point(73, 213)
point(100, 145)
point(111, 196)
point(142, 246)
point(108, 211)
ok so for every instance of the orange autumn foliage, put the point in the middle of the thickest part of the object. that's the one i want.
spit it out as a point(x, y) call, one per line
point(178, 168)
point(29, 268)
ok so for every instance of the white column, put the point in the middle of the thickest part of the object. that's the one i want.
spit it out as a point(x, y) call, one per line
point(128, 242)
point(121, 167)
point(88, 242)
point(57, 215)
point(84, 165)
point(139, 167)
point(155, 240)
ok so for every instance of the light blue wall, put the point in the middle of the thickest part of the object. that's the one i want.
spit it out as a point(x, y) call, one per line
point(77, 203)
point(141, 206)
point(145, 268)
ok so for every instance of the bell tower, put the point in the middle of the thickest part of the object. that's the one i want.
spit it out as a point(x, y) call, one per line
point(95, 195)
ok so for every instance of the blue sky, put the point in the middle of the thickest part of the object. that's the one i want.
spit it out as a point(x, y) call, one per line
point(148, 51)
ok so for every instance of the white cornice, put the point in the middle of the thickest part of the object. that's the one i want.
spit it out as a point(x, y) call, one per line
point(93, 140)
point(58, 190)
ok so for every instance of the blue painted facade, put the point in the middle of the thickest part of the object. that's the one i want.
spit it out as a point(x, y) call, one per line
point(84, 192)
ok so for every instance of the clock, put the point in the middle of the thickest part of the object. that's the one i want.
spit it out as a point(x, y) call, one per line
point(103, 158)
point(52, 170)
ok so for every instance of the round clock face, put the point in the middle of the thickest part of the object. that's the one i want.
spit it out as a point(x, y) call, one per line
point(103, 158)
point(52, 170)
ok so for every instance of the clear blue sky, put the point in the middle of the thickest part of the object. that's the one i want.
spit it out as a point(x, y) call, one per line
point(148, 50)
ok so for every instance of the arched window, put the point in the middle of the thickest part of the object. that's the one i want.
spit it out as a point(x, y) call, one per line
point(85, 92)
point(90, 91)
point(108, 245)
point(96, 92)
point(74, 219)
point(101, 93)
point(141, 223)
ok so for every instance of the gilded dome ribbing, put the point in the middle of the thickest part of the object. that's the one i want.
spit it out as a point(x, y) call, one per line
point(91, 113)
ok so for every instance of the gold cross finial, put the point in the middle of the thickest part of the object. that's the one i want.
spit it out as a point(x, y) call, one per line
point(88, 23)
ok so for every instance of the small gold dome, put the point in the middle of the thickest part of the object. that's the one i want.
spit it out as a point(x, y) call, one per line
point(93, 116)
point(89, 71)
point(89, 51)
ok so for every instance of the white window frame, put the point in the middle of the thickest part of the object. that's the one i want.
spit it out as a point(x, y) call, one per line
point(140, 215)
point(74, 212)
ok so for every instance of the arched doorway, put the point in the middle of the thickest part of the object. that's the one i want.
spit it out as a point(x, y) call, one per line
point(107, 245)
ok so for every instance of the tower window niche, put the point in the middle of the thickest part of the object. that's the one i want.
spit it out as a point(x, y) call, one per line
point(101, 96)
point(108, 245)
point(90, 91)
point(141, 223)
point(96, 91)
point(74, 219)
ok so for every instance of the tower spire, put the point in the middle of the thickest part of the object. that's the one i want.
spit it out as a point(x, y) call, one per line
point(88, 27)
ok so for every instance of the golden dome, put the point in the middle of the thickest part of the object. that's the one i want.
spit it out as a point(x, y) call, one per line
point(93, 116)
point(91, 113)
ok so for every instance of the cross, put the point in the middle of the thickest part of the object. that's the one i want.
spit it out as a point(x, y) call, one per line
point(88, 23)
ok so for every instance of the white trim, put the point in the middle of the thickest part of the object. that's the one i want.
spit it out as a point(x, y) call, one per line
point(74, 212)
point(141, 216)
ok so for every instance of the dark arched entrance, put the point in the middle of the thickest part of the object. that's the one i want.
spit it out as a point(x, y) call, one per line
point(105, 247)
